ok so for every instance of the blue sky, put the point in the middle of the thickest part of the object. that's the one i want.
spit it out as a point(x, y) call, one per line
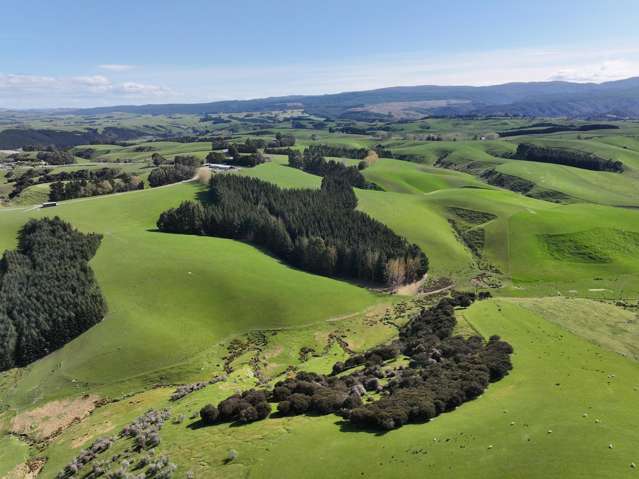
point(85, 52)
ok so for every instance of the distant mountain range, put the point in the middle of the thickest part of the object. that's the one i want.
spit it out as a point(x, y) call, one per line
point(616, 99)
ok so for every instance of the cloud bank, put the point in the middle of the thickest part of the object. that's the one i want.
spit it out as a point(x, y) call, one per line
point(40, 91)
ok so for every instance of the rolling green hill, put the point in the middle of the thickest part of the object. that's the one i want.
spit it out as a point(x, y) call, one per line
point(169, 297)
point(564, 275)
point(516, 241)
point(530, 423)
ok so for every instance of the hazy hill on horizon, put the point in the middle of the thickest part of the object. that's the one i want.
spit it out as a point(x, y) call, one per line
point(617, 99)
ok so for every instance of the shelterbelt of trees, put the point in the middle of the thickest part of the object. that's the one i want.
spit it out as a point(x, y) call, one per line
point(182, 168)
point(443, 372)
point(93, 183)
point(338, 151)
point(251, 145)
point(562, 156)
point(48, 292)
point(316, 230)
point(312, 161)
point(546, 128)
point(75, 184)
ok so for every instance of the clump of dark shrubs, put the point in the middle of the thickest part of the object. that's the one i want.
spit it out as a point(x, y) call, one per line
point(443, 372)
point(209, 414)
point(312, 161)
point(249, 406)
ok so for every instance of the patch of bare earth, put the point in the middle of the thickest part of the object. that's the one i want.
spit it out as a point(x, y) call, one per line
point(27, 470)
point(410, 289)
point(48, 421)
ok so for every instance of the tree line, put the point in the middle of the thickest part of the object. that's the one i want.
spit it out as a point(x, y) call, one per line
point(562, 156)
point(252, 145)
point(312, 161)
point(48, 292)
point(547, 128)
point(35, 176)
point(443, 372)
point(384, 152)
point(183, 168)
point(338, 151)
point(100, 182)
point(316, 230)
point(54, 156)
point(238, 159)
point(28, 178)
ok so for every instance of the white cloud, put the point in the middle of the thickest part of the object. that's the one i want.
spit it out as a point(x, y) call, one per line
point(606, 70)
point(141, 89)
point(34, 91)
point(24, 81)
point(116, 67)
point(95, 83)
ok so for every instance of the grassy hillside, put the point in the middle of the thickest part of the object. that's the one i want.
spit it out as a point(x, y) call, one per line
point(516, 241)
point(169, 297)
point(505, 432)
point(405, 177)
point(579, 184)
point(530, 424)
point(580, 249)
point(12, 452)
point(409, 215)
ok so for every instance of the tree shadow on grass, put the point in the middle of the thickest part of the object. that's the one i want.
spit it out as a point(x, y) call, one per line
point(344, 426)
point(198, 424)
point(347, 426)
